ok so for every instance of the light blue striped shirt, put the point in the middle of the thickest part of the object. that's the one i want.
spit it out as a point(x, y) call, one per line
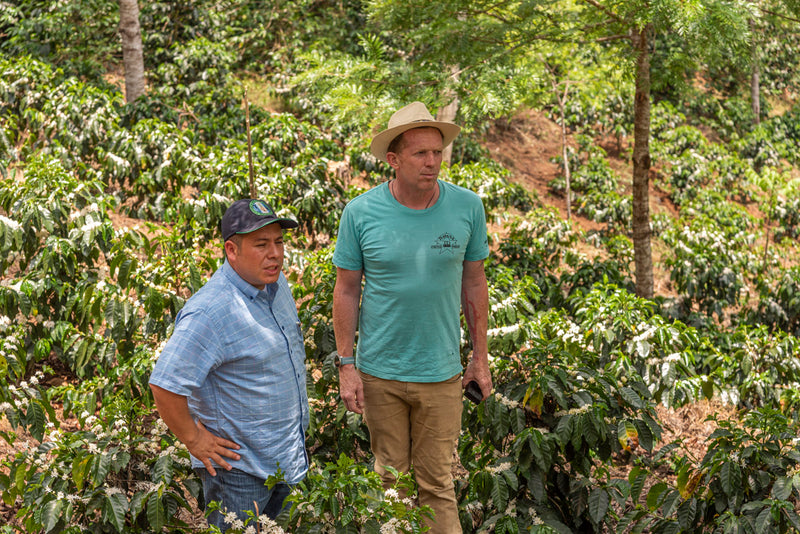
point(237, 353)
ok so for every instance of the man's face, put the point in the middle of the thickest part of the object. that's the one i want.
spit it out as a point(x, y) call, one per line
point(419, 158)
point(259, 257)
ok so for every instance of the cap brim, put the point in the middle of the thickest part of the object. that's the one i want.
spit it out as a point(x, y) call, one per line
point(380, 143)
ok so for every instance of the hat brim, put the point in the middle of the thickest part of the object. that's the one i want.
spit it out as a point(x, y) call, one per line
point(380, 143)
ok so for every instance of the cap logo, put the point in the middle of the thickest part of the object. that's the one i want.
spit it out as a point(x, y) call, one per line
point(259, 207)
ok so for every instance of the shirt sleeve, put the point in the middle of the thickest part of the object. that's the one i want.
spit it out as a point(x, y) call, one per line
point(190, 354)
point(347, 253)
point(478, 245)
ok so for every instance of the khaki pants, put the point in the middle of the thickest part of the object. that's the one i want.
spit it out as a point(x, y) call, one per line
point(417, 424)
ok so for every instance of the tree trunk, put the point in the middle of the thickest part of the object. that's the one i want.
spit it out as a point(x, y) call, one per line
point(562, 100)
point(447, 113)
point(755, 82)
point(642, 253)
point(132, 55)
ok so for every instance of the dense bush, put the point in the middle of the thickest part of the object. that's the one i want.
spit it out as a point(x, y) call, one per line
point(708, 263)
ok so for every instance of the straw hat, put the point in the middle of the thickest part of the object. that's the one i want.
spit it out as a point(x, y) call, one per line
point(414, 115)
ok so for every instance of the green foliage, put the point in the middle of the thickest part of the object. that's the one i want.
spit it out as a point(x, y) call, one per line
point(708, 262)
point(493, 184)
point(537, 244)
point(747, 480)
point(786, 211)
point(512, 311)
point(759, 148)
point(348, 497)
point(595, 187)
point(78, 35)
point(599, 111)
point(116, 471)
point(785, 133)
point(554, 402)
point(755, 367)
point(688, 159)
point(779, 301)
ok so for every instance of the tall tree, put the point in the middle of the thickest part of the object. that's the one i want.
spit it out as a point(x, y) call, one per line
point(483, 33)
point(642, 253)
point(132, 50)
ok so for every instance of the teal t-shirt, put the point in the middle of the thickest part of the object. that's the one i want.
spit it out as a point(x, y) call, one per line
point(412, 260)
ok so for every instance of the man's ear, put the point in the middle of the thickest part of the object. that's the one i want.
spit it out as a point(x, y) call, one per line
point(230, 249)
point(391, 159)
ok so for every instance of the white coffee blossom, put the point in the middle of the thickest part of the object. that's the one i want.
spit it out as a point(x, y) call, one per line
point(268, 526)
point(10, 223)
point(505, 401)
point(89, 226)
point(511, 510)
point(503, 330)
point(647, 332)
point(395, 525)
point(505, 466)
point(574, 411)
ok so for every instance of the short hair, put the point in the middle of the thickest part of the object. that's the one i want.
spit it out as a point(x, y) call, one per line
point(237, 240)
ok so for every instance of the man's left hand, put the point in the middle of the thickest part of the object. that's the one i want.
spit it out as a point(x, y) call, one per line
point(478, 370)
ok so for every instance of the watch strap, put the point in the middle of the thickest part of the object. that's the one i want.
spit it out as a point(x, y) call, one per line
point(347, 360)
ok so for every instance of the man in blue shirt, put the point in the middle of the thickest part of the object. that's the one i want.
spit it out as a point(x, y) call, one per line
point(419, 244)
point(231, 380)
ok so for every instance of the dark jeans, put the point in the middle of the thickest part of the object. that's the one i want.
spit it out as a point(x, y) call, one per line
point(237, 492)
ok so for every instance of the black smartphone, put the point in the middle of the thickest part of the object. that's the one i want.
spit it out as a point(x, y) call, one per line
point(473, 392)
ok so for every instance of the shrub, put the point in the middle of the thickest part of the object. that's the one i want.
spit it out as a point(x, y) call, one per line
point(537, 244)
point(556, 415)
point(492, 183)
point(754, 367)
point(707, 264)
point(747, 480)
point(348, 497)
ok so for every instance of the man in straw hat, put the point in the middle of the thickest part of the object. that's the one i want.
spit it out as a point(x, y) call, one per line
point(231, 381)
point(419, 244)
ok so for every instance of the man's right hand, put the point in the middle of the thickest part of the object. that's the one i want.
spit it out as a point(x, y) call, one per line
point(202, 444)
point(206, 447)
point(351, 390)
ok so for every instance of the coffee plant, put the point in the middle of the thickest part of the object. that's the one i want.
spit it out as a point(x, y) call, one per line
point(707, 264)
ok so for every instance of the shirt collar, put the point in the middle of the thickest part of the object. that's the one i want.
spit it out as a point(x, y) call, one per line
point(245, 287)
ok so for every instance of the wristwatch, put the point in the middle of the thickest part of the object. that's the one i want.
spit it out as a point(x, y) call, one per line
point(339, 361)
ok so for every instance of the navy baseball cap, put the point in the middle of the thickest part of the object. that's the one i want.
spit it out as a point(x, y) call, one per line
point(247, 215)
